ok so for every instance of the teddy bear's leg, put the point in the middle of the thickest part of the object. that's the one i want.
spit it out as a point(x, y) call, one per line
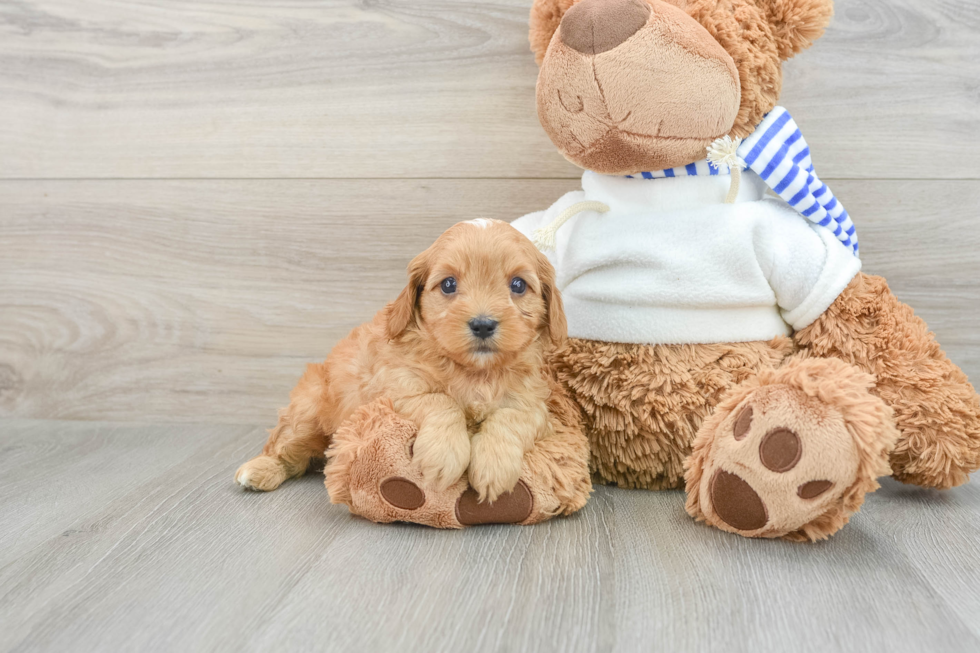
point(936, 409)
point(369, 468)
point(642, 404)
point(792, 452)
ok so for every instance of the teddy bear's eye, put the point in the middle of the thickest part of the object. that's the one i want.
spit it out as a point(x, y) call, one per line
point(518, 286)
point(448, 285)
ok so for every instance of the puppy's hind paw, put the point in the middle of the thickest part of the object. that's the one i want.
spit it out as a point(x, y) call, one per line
point(263, 473)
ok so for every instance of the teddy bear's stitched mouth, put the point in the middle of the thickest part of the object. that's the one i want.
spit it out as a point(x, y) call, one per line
point(612, 132)
point(662, 137)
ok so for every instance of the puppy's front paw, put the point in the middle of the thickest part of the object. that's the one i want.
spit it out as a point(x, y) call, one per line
point(494, 468)
point(441, 457)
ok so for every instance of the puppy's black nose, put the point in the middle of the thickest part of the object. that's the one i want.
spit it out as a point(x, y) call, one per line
point(483, 327)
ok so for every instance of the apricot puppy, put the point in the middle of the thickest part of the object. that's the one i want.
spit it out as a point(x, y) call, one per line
point(460, 352)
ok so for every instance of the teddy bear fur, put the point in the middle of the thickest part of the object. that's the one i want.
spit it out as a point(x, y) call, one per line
point(868, 359)
point(937, 411)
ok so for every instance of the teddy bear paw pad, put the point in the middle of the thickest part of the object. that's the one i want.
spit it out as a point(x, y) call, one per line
point(736, 503)
point(511, 508)
point(780, 450)
point(402, 493)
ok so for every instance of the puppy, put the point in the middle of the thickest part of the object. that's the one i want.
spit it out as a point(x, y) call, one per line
point(461, 352)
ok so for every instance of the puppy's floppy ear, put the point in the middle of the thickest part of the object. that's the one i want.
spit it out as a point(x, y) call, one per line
point(554, 317)
point(404, 310)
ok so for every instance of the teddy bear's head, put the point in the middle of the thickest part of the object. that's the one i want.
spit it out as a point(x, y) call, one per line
point(633, 85)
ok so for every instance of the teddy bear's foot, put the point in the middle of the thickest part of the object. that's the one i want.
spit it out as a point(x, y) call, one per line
point(370, 469)
point(791, 453)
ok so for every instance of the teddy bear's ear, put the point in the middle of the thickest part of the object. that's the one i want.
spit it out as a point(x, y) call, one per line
point(545, 17)
point(796, 24)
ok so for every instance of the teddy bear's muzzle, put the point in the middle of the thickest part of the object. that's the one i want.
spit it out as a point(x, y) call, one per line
point(633, 85)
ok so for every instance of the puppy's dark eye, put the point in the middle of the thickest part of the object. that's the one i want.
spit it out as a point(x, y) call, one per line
point(518, 286)
point(448, 285)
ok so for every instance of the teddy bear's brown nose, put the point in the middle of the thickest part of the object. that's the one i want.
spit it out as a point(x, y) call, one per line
point(594, 26)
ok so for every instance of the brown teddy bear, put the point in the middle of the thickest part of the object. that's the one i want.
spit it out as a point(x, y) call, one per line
point(724, 339)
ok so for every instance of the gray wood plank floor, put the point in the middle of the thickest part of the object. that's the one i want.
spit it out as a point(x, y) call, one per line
point(133, 537)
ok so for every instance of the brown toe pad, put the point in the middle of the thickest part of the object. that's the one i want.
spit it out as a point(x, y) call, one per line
point(402, 493)
point(511, 508)
point(780, 450)
point(813, 489)
point(736, 503)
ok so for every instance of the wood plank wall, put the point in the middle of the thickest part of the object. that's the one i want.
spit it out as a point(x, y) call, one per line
point(199, 197)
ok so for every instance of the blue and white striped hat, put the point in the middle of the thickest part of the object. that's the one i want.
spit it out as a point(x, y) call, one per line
point(777, 152)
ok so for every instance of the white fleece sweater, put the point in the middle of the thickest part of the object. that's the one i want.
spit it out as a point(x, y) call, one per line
point(670, 263)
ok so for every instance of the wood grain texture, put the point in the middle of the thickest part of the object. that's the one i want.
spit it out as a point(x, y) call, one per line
point(430, 88)
point(203, 300)
point(134, 537)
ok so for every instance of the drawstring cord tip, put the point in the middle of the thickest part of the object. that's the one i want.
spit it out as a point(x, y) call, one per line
point(724, 151)
point(545, 238)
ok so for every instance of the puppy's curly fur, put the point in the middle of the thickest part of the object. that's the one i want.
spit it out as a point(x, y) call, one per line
point(480, 403)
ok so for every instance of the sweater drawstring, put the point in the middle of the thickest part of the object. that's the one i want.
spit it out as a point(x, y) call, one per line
point(544, 238)
point(724, 151)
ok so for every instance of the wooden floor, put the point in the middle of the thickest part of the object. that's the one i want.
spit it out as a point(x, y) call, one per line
point(133, 538)
point(197, 198)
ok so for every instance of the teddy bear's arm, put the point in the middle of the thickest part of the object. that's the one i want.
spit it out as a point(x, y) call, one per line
point(804, 264)
point(936, 408)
